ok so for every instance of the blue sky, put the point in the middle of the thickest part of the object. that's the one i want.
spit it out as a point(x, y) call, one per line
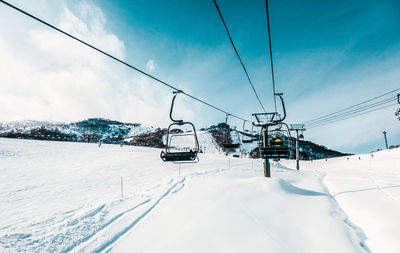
point(327, 55)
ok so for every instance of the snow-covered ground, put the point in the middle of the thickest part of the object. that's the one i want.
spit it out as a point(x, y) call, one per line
point(367, 187)
point(61, 197)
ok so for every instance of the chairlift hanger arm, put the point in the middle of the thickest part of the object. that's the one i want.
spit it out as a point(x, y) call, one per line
point(398, 98)
point(179, 122)
point(283, 106)
point(226, 118)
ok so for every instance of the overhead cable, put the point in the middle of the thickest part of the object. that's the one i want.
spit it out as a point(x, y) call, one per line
point(270, 54)
point(347, 108)
point(238, 56)
point(354, 111)
point(354, 115)
point(119, 60)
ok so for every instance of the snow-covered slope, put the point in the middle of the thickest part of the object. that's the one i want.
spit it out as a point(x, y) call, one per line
point(99, 130)
point(90, 130)
point(367, 187)
point(63, 196)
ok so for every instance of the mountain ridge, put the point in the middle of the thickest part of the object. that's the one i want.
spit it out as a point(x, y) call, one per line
point(100, 130)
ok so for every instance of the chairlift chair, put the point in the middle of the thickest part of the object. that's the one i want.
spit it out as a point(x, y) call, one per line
point(185, 154)
point(248, 136)
point(277, 143)
point(237, 138)
point(397, 112)
point(301, 135)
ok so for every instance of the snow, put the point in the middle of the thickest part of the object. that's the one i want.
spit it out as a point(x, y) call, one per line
point(367, 187)
point(207, 142)
point(25, 126)
point(62, 197)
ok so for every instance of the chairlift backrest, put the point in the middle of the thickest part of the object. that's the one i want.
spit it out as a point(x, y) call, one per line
point(234, 143)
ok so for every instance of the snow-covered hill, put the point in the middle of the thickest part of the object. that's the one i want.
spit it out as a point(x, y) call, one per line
point(90, 130)
point(97, 130)
point(65, 196)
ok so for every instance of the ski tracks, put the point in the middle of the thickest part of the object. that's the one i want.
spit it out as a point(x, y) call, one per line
point(79, 244)
point(91, 230)
point(341, 214)
point(110, 242)
point(381, 188)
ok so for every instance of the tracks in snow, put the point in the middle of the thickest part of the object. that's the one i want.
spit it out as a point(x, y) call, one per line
point(103, 238)
point(107, 246)
point(78, 244)
point(381, 188)
point(175, 188)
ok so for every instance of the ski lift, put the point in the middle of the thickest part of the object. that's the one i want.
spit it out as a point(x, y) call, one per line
point(248, 136)
point(228, 144)
point(277, 143)
point(234, 144)
point(274, 143)
point(179, 153)
point(226, 118)
point(301, 135)
point(397, 112)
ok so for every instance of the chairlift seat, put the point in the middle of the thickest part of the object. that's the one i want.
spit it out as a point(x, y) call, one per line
point(179, 156)
point(276, 143)
point(233, 145)
point(275, 152)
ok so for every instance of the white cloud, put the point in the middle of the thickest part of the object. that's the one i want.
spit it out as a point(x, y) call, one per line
point(150, 65)
point(49, 76)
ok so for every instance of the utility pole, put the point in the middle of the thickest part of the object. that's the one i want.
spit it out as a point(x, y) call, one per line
point(267, 166)
point(384, 134)
point(297, 128)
